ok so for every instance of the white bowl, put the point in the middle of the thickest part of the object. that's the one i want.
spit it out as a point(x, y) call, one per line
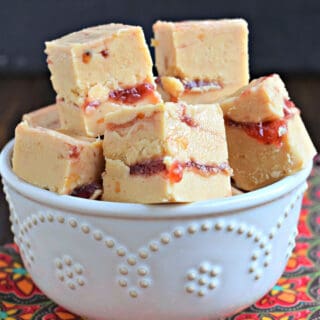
point(121, 261)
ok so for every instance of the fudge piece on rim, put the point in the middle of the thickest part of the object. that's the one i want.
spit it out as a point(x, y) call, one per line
point(201, 61)
point(58, 162)
point(170, 152)
point(97, 68)
point(266, 137)
point(46, 117)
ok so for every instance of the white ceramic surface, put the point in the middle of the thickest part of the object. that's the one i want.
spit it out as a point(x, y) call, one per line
point(118, 261)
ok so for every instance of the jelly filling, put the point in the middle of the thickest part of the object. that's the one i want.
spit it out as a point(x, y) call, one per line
point(197, 83)
point(268, 132)
point(86, 191)
point(132, 95)
point(175, 172)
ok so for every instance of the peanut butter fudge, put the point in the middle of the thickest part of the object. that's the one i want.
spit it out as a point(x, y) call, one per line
point(266, 137)
point(86, 121)
point(47, 117)
point(264, 99)
point(201, 61)
point(56, 161)
point(96, 69)
point(169, 152)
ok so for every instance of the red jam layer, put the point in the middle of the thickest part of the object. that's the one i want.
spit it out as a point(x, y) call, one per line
point(268, 132)
point(127, 96)
point(86, 191)
point(189, 85)
point(175, 172)
point(197, 83)
point(132, 95)
point(148, 168)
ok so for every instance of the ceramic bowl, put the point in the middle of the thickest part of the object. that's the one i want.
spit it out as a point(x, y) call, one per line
point(121, 261)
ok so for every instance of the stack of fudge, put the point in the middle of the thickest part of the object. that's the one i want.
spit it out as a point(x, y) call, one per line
point(118, 133)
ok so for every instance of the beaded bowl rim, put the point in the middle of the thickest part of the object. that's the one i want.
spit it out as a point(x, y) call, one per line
point(214, 207)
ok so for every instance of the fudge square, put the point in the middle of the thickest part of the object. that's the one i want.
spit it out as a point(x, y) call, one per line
point(209, 58)
point(263, 99)
point(47, 117)
point(266, 137)
point(96, 69)
point(56, 161)
point(107, 57)
point(170, 152)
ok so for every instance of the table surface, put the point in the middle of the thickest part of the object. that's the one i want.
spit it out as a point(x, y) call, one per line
point(21, 94)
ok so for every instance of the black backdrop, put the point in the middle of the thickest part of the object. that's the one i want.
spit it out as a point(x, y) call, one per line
point(284, 34)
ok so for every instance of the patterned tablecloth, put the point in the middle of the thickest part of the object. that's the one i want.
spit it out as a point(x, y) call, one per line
point(295, 296)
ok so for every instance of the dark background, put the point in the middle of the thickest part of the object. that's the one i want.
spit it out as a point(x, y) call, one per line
point(284, 38)
point(284, 35)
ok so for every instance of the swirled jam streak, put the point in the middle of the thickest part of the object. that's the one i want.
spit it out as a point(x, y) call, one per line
point(188, 120)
